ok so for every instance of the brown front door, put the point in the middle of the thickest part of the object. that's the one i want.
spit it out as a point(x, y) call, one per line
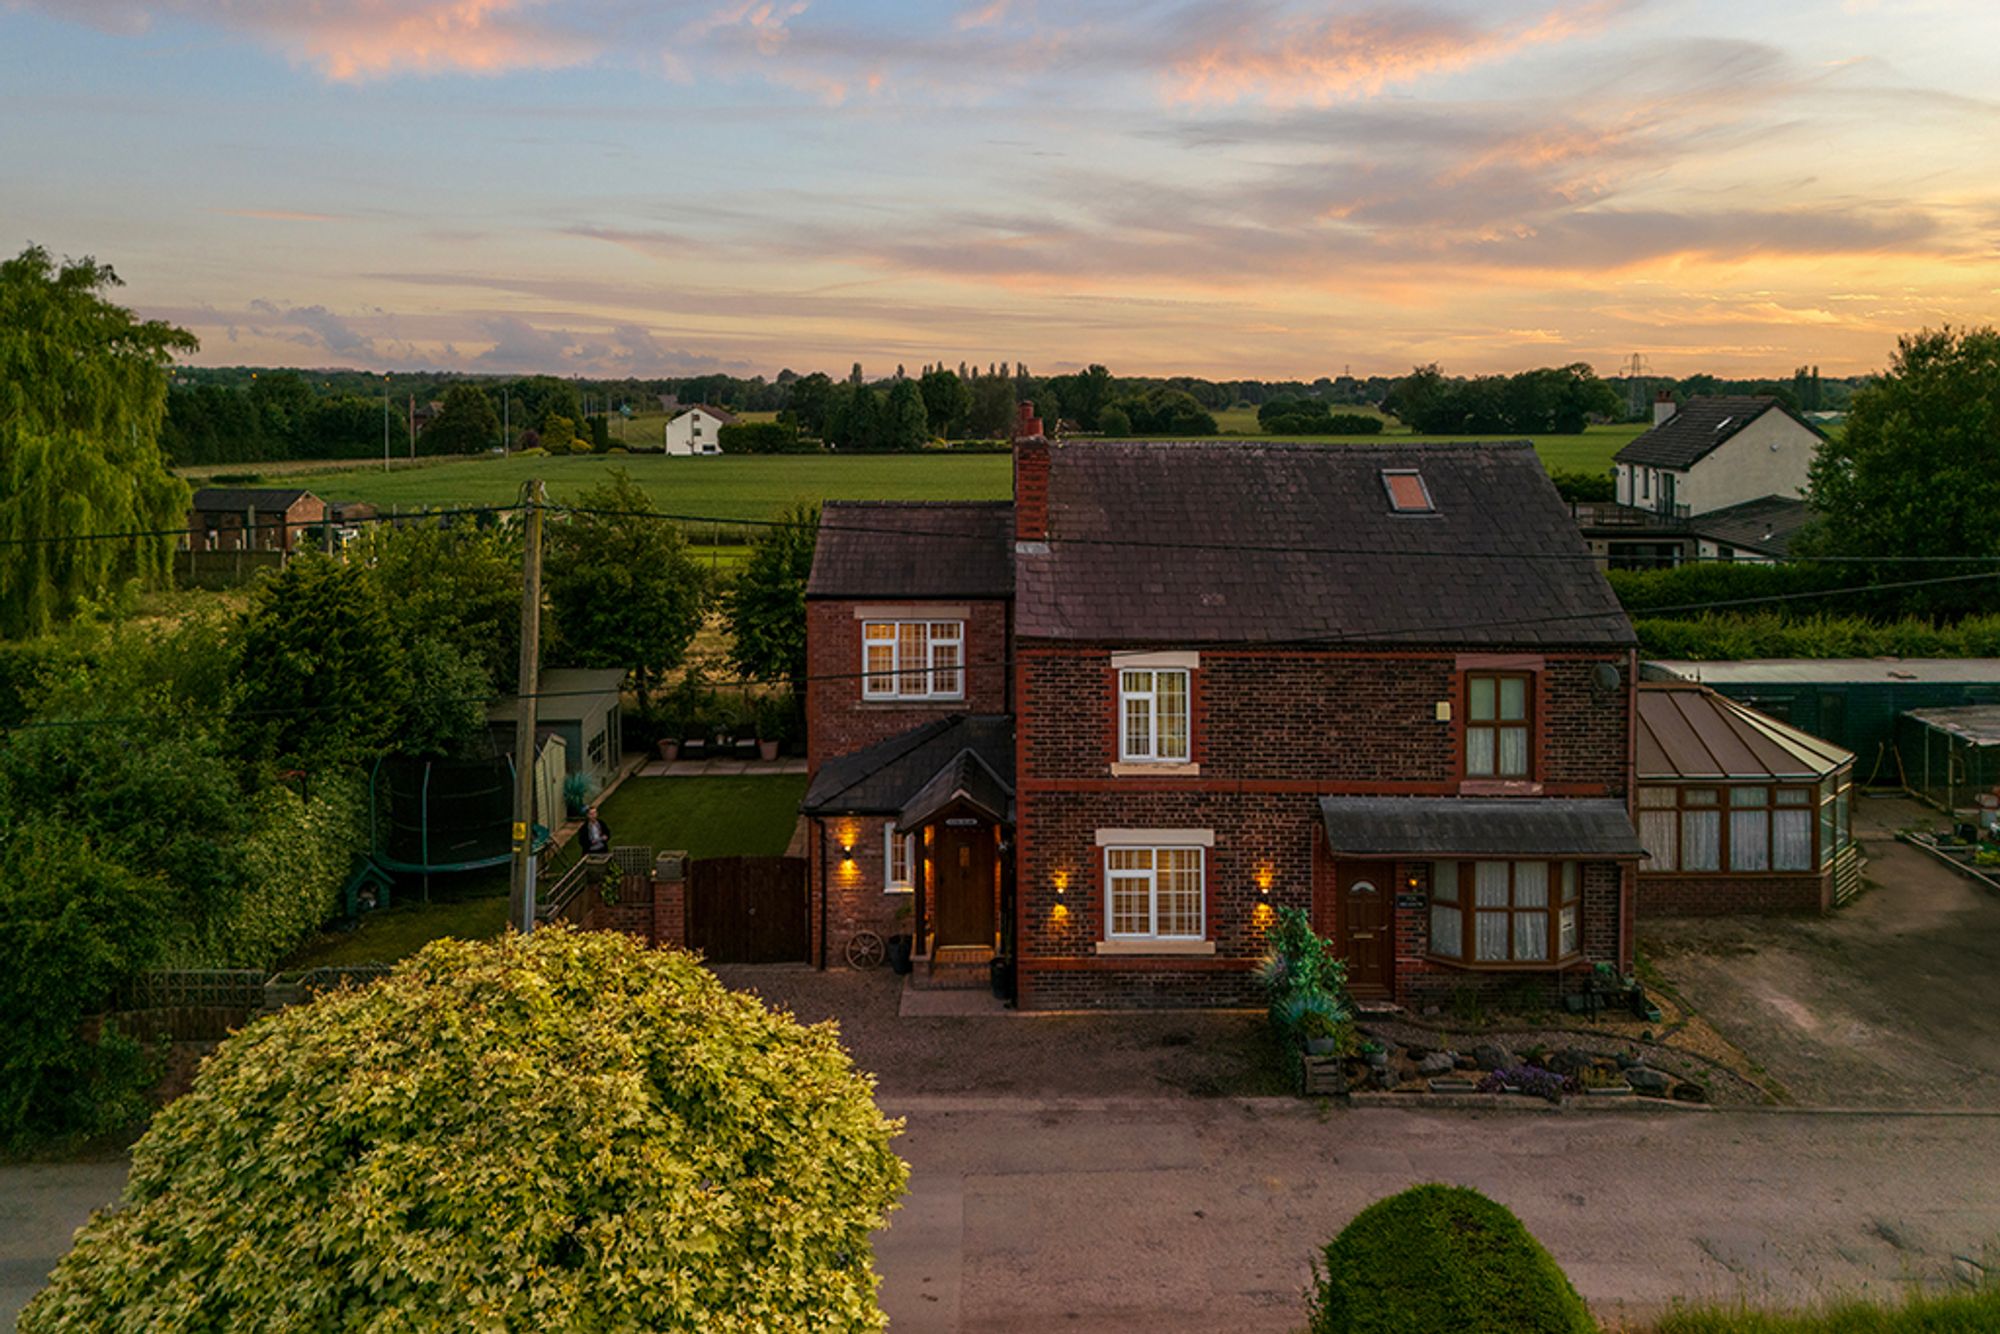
point(1367, 934)
point(962, 862)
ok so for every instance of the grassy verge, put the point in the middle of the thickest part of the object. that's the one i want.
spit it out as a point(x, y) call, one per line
point(707, 817)
point(1922, 1313)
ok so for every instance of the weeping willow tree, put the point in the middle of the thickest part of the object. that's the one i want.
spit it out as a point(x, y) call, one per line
point(83, 390)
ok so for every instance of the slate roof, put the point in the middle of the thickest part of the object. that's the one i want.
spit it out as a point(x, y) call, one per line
point(914, 549)
point(884, 778)
point(236, 499)
point(1214, 542)
point(1478, 827)
point(965, 778)
point(1698, 426)
point(1690, 732)
point(1765, 525)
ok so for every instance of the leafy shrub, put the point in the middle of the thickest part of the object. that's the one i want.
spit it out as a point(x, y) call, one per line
point(1353, 423)
point(1306, 984)
point(1440, 1260)
point(1585, 487)
point(763, 438)
point(563, 1131)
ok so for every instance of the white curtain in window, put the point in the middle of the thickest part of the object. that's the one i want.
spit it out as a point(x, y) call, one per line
point(1447, 930)
point(1656, 831)
point(1791, 839)
point(1749, 841)
point(1701, 840)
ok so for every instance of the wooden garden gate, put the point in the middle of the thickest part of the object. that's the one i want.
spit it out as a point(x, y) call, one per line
point(748, 909)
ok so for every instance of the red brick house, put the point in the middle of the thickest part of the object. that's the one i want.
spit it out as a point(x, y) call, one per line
point(1381, 683)
point(222, 516)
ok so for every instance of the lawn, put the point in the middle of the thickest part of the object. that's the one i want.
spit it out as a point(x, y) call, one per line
point(760, 487)
point(706, 817)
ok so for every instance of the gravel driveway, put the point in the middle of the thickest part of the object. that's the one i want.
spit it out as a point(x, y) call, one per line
point(1888, 1002)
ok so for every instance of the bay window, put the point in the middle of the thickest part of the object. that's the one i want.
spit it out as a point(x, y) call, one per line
point(1153, 715)
point(1506, 912)
point(913, 660)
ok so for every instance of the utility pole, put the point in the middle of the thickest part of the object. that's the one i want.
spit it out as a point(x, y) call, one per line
point(521, 899)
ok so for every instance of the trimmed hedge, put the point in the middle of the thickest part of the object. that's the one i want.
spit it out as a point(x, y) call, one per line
point(1442, 1260)
point(1719, 638)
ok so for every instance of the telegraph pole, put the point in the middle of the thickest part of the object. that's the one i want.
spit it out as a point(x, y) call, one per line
point(521, 899)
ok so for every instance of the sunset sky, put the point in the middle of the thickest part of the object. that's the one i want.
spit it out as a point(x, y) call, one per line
point(1218, 187)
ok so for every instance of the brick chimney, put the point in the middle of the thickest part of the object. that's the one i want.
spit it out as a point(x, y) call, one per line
point(1663, 406)
point(1031, 478)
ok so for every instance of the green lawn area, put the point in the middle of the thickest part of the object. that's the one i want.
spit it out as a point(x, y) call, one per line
point(477, 910)
point(760, 487)
point(1923, 1313)
point(707, 817)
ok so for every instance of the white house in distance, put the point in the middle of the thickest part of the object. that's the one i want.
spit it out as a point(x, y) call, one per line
point(697, 431)
point(1713, 453)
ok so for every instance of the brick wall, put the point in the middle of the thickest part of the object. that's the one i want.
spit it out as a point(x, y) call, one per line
point(1345, 720)
point(854, 898)
point(838, 720)
point(1716, 896)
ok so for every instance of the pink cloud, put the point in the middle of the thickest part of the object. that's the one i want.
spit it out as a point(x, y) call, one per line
point(349, 40)
point(1337, 59)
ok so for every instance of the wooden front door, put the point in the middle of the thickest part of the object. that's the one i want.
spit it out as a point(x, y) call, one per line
point(1367, 926)
point(962, 862)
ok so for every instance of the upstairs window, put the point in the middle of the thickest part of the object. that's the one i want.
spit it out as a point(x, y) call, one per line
point(1498, 724)
point(1407, 492)
point(913, 660)
point(1153, 716)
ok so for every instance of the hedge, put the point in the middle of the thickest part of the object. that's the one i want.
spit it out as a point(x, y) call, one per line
point(562, 1131)
point(1771, 635)
point(1442, 1260)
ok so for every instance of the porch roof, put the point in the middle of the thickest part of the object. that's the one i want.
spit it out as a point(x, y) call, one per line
point(1478, 827)
point(884, 778)
point(965, 779)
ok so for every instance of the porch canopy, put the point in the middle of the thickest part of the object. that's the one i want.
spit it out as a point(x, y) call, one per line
point(1452, 827)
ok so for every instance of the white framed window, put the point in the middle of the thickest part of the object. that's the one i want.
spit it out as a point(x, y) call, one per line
point(1154, 893)
point(898, 851)
point(1153, 715)
point(913, 659)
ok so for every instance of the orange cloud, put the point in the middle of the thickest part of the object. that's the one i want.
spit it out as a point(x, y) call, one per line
point(1360, 55)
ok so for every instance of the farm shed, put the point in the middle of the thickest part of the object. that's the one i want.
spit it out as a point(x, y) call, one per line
point(580, 705)
point(1950, 756)
point(1852, 702)
point(1738, 812)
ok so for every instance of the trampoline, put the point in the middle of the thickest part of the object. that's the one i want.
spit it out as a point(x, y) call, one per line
point(430, 817)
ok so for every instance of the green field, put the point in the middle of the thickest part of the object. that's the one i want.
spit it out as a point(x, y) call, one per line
point(759, 487)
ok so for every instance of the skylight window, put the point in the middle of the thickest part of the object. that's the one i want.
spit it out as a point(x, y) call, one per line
point(1407, 492)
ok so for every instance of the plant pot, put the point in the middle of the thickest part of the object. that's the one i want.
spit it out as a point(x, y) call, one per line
point(1321, 1046)
point(898, 948)
point(767, 750)
point(669, 750)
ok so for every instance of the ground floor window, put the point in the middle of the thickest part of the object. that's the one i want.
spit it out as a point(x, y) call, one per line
point(1154, 894)
point(898, 849)
point(1506, 912)
point(1744, 829)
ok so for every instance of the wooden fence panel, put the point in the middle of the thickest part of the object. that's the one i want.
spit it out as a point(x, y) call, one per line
point(748, 909)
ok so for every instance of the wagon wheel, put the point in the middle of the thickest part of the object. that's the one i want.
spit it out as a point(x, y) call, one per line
point(864, 950)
